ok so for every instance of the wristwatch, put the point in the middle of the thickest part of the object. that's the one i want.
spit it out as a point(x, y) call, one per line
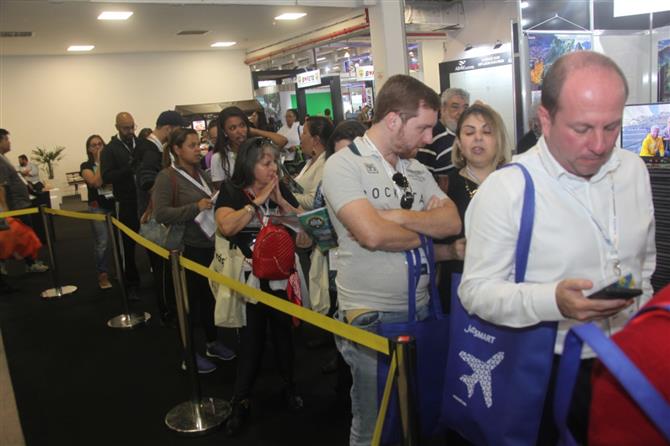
point(249, 208)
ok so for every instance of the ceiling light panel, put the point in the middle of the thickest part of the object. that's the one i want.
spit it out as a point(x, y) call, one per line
point(291, 16)
point(222, 44)
point(80, 48)
point(115, 15)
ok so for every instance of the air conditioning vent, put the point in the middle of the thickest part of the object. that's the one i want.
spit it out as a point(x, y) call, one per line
point(16, 33)
point(192, 32)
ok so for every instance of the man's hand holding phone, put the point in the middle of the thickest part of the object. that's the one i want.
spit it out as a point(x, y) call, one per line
point(571, 301)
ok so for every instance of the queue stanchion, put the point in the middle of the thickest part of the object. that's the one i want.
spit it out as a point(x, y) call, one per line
point(406, 352)
point(198, 416)
point(126, 319)
point(58, 290)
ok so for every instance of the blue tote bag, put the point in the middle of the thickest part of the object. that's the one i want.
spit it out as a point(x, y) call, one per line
point(431, 344)
point(622, 368)
point(497, 377)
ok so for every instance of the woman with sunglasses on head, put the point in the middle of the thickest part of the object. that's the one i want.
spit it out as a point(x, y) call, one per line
point(100, 201)
point(246, 200)
point(181, 192)
point(233, 129)
point(481, 146)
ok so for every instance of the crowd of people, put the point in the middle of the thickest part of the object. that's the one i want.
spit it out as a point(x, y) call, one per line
point(427, 165)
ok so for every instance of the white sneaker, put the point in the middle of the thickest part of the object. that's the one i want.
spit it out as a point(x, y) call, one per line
point(37, 267)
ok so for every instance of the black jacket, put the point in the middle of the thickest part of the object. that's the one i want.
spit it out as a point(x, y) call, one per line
point(148, 164)
point(116, 165)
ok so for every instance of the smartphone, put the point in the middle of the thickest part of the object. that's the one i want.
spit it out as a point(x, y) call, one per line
point(615, 291)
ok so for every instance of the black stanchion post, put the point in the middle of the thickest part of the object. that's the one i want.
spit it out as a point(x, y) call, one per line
point(406, 352)
point(197, 416)
point(57, 290)
point(126, 319)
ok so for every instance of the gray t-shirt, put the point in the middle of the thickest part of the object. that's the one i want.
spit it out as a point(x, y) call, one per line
point(373, 279)
point(15, 189)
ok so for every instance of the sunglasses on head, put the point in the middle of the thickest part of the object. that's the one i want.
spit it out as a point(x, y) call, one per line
point(407, 198)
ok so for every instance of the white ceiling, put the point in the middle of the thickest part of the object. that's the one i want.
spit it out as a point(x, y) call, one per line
point(153, 27)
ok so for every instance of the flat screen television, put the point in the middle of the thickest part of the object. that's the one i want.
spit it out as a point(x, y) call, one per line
point(638, 120)
point(199, 125)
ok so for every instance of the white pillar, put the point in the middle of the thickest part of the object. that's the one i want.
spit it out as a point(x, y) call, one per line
point(387, 34)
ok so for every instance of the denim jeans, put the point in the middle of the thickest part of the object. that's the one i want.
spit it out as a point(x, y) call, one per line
point(363, 364)
point(100, 246)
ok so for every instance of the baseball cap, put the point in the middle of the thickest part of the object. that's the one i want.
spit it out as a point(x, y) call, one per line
point(170, 117)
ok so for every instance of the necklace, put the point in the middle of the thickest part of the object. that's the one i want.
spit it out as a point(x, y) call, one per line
point(471, 192)
point(472, 175)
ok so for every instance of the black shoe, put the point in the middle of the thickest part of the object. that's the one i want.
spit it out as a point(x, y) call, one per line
point(238, 416)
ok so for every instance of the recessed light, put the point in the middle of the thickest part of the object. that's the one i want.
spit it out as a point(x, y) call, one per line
point(222, 44)
point(524, 5)
point(291, 16)
point(80, 47)
point(115, 15)
point(319, 59)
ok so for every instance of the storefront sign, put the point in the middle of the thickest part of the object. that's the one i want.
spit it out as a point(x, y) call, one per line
point(308, 78)
point(482, 62)
point(365, 73)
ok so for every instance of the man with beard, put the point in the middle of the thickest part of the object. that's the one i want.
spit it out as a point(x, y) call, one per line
point(436, 156)
point(116, 165)
point(380, 201)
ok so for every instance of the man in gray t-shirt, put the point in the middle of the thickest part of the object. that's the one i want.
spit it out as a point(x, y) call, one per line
point(380, 199)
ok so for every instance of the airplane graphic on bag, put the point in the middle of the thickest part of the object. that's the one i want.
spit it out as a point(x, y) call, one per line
point(482, 371)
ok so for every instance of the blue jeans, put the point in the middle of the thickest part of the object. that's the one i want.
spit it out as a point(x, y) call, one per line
point(100, 245)
point(363, 364)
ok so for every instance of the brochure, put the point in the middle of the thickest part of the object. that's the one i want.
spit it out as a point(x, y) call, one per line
point(316, 223)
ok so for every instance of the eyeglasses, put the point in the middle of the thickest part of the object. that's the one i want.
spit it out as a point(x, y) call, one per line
point(407, 198)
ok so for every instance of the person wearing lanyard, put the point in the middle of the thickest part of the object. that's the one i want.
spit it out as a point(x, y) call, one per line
point(149, 161)
point(594, 222)
point(100, 201)
point(380, 200)
point(180, 193)
point(116, 167)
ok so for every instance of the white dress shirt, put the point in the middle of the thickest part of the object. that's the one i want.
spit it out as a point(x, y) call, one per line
point(580, 231)
point(292, 134)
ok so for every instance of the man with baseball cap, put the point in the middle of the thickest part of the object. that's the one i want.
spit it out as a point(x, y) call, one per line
point(148, 162)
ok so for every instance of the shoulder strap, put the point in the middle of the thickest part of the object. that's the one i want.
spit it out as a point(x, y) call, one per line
point(413, 275)
point(526, 226)
point(647, 397)
point(173, 183)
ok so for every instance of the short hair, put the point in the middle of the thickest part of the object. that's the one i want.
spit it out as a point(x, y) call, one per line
point(493, 119)
point(144, 133)
point(651, 129)
point(251, 151)
point(88, 144)
point(3, 133)
point(320, 127)
point(552, 85)
point(177, 138)
point(451, 92)
point(404, 95)
point(348, 129)
point(23, 157)
point(295, 113)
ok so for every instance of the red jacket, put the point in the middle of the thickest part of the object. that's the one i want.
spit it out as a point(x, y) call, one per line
point(615, 418)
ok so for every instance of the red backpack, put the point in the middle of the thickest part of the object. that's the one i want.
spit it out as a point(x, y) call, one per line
point(273, 257)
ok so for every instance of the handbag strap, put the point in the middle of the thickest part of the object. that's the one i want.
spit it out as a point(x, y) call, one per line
point(526, 226)
point(647, 397)
point(413, 274)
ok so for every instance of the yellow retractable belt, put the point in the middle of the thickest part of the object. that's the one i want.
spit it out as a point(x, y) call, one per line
point(19, 212)
point(78, 215)
point(141, 240)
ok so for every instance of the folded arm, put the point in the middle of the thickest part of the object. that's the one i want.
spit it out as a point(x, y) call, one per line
point(440, 221)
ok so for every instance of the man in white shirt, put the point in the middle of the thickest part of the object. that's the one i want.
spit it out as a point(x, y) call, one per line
point(30, 173)
point(379, 202)
point(594, 218)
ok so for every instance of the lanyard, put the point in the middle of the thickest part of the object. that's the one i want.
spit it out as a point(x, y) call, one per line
point(390, 171)
point(611, 235)
point(125, 145)
point(202, 185)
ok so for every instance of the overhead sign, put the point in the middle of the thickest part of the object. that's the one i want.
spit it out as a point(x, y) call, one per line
point(365, 73)
point(308, 78)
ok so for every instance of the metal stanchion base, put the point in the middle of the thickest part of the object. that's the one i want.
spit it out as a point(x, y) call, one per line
point(185, 419)
point(128, 320)
point(52, 293)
